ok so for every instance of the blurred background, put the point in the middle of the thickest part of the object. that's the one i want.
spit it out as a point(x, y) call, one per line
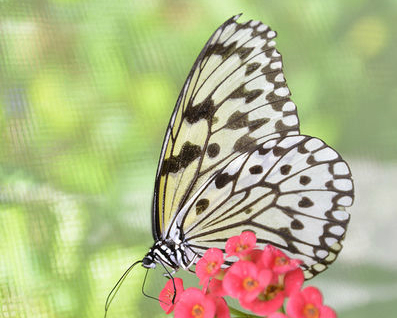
point(86, 92)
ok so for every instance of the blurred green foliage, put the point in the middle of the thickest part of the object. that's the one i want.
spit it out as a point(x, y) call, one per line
point(86, 91)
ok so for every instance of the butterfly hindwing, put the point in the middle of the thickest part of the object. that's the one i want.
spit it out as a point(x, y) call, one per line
point(234, 98)
point(291, 191)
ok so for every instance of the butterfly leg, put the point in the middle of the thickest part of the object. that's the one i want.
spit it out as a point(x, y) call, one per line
point(169, 274)
point(187, 267)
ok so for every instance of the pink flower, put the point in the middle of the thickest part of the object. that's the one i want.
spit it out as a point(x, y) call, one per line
point(308, 303)
point(222, 310)
point(167, 294)
point(255, 256)
point(277, 315)
point(215, 288)
point(261, 280)
point(240, 245)
point(277, 261)
point(293, 281)
point(209, 265)
point(268, 301)
point(194, 304)
point(272, 297)
point(245, 281)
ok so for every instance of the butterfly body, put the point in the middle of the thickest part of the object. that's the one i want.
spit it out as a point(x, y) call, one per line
point(171, 252)
point(233, 160)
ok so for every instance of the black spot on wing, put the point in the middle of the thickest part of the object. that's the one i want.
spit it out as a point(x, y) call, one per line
point(243, 52)
point(242, 92)
point(271, 78)
point(280, 126)
point(257, 169)
point(297, 225)
point(223, 179)
point(188, 153)
point(239, 120)
point(330, 185)
point(243, 142)
point(279, 151)
point(304, 180)
point(305, 202)
point(213, 150)
point(263, 151)
point(248, 211)
point(202, 205)
point(278, 105)
point(170, 165)
point(311, 161)
point(285, 169)
point(252, 67)
point(223, 50)
point(203, 110)
point(302, 149)
point(257, 123)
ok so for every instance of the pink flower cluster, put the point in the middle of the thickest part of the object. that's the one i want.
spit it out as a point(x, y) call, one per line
point(260, 279)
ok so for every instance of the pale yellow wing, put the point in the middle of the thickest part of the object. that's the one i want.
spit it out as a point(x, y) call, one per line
point(234, 98)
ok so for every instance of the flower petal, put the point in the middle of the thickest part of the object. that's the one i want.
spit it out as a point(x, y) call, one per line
point(222, 310)
point(293, 281)
point(277, 315)
point(242, 281)
point(167, 294)
point(295, 305)
point(193, 299)
point(264, 307)
point(209, 265)
point(313, 295)
point(327, 312)
point(216, 287)
point(241, 245)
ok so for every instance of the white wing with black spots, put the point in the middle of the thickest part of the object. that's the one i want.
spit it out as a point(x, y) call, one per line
point(233, 160)
point(291, 191)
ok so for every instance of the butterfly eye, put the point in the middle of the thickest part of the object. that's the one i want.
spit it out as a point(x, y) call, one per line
point(146, 261)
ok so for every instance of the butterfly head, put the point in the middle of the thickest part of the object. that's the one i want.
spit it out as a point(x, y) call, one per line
point(164, 252)
point(148, 261)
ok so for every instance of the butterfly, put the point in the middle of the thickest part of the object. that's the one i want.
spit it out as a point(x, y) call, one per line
point(233, 160)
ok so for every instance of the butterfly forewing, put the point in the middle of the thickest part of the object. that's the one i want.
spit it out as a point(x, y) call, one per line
point(291, 191)
point(234, 98)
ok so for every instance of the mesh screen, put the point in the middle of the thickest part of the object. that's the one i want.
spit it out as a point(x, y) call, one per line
point(86, 91)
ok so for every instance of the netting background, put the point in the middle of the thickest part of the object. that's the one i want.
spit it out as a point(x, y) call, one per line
point(86, 91)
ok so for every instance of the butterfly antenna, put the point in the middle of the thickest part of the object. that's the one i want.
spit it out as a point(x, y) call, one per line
point(173, 281)
point(146, 295)
point(116, 287)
